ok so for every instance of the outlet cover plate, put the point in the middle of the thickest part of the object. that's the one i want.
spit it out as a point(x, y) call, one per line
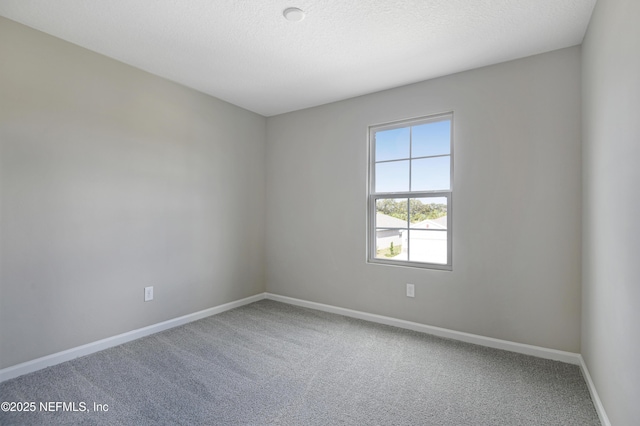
point(148, 294)
point(411, 290)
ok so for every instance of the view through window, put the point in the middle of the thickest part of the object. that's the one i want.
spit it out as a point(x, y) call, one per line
point(410, 188)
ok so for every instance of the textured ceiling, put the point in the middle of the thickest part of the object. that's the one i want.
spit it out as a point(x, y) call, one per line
point(246, 53)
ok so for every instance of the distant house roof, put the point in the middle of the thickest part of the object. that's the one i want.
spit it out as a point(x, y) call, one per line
point(439, 223)
point(385, 221)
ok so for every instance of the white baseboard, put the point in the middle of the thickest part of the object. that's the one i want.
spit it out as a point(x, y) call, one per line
point(540, 352)
point(89, 348)
point(553, 354)
point(602, 414)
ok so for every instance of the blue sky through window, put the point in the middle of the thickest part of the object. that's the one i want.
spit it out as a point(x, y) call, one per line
point(396, 146)
point(430, 174)
point(392, 176)
point(392, 144)
point(431, 139)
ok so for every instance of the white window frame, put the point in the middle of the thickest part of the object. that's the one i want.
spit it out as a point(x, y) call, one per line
point(374, 196)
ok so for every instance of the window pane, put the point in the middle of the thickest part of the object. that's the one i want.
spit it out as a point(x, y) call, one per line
point(392, 176)
point(428, 246)
point(430, 174)
point(389, 244)
point(431, 139)
point(392, 144)
point(392, 213)
point(428, 213)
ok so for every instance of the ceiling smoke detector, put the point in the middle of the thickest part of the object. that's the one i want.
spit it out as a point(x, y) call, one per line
point(293, 14)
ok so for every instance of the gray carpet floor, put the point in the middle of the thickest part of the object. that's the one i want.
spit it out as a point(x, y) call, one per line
point(270, 363)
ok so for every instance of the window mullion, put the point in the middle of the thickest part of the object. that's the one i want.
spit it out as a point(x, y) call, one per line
point(409, 229)
point(410, 156)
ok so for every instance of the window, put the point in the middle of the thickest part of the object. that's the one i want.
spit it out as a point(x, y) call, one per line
point(410, 188)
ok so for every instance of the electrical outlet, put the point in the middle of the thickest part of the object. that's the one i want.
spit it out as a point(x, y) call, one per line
point(148, 294)
point(411, 290)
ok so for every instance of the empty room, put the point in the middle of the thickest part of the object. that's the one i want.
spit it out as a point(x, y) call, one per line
point(320, 212)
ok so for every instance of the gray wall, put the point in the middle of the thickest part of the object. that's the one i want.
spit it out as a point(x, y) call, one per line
point(113, 179)
point(611, 222)
point(517, 200)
